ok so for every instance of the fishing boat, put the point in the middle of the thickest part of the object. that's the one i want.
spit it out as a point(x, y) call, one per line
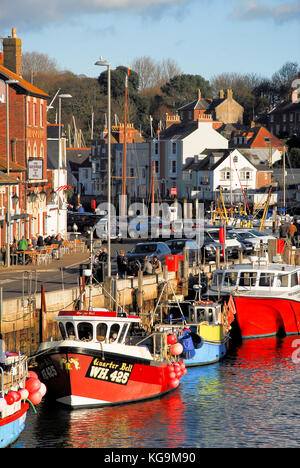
point(266, 297)
point(204, 333)
point(107, 358)
point(19, 389)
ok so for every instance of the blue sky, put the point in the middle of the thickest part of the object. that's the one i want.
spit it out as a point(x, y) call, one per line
point(205, 37)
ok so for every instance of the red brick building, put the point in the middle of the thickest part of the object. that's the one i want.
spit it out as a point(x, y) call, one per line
point(23, 145)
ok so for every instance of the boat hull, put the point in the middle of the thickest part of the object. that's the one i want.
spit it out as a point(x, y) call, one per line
point(209, 353)
point(82, 378)
point(12, 426)
point(266, 316)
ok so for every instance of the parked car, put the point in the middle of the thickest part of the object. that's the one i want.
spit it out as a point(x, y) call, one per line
point(247, 246)
point(148, 227)
point(150, 249)
point(101, 228)
point(177, 247)
point(232, 245)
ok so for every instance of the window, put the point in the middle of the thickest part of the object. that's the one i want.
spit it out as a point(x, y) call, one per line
point(85, 331)
point(101, 331)
point(248, 278)
point(282, 281)
point(230, 279)
point(131, 172)
point(62, 330)
point(70, 330)
point(41, 114)
point(156, 167)
point(284, 118)
point(294, 280)
point(174, 148)
point(291, 117)
point(266, 280)
point(217, 279)
point(156, 148)
point(123, 332)
point(114, 331)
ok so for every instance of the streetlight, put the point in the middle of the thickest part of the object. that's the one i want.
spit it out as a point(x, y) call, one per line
point(103, 63)
point(7, 83)
point(60, 97)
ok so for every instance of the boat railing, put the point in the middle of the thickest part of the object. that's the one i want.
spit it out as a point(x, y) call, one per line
point(14, 373)
point(158, 346)
point(1, 381)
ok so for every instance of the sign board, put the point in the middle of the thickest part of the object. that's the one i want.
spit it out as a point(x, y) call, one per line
point(35, 169)
point(173, 191)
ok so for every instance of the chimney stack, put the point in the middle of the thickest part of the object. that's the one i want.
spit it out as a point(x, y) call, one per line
point(221, 94)
point(229, 94)
point(199, 94)
point(294, 95)
point(12, 53)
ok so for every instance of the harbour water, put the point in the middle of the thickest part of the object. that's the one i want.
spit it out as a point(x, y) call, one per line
point(250, 399)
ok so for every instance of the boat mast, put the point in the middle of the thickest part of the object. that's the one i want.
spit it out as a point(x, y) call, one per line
point(284, 178)
point(124, 147)
point(153, 181)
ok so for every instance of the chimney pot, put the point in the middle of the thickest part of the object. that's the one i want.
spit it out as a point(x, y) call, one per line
point(14, 32)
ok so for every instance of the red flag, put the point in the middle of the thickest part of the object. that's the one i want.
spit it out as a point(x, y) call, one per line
point(222, 236)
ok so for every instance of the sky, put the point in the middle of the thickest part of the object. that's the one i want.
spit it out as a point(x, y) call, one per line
point(205, 37)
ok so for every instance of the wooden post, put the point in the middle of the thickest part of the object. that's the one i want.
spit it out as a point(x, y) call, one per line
point(140, 291)
point(185, 282)
point(43, 312)
point(217, 258)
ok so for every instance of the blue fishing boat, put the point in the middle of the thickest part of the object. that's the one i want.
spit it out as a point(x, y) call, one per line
point(13, 408)
point(203, 331)
point(19, 389)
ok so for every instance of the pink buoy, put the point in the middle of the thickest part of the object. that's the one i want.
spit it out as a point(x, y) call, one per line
point(171, 339)
point(43, 389)
point(32, 374)
point(176, 349)
point(32, 385)
point(24, 394)
point(3, 404)
point(35, 398)
point(172, 376)
point(184, 371)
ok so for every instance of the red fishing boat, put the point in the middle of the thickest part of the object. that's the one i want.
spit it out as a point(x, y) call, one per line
point(266, 297)
point(107, 358)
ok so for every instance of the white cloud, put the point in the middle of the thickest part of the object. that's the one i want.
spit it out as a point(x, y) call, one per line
point(255, 10)
point(35, 13)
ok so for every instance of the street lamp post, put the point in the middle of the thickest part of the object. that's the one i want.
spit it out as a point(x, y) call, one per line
point(60, 97)
point(103, 63)
point(7, 83)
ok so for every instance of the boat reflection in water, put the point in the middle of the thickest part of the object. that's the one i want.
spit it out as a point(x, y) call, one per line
point(130, 426)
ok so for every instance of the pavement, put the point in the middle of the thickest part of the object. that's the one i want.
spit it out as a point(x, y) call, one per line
point(19, 280)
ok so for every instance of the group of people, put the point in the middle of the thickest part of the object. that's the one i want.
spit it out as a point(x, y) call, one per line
point(290, 231)
point(23, 245)
point(149, 267)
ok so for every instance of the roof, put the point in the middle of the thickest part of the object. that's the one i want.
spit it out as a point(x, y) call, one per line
point(286, 106)
point(178, 131)
point(33, 90)
point(13, 166)
point(257, 136)
point(7, 180)
point(214, 157)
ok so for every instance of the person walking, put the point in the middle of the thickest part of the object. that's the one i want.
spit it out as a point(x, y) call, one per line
point(283, 230)
point(291, 232)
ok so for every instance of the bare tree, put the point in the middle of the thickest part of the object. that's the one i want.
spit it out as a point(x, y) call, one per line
point(152, 74)
point(34, 63)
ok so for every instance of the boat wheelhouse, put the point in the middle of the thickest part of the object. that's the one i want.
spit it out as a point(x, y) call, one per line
point(105, 358)
point(266, 296)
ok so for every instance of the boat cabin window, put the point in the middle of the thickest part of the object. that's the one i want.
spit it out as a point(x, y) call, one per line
point(62, 330)
point(101, 331)
point(205, 314)
point(282, 281)
point(85, 331)
point(123, 332)
point(266, 279)
point(230, 279)
point(114, 331)
point(294, 280)
point(217, 279)
point(70, 330)
point(247, 278)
